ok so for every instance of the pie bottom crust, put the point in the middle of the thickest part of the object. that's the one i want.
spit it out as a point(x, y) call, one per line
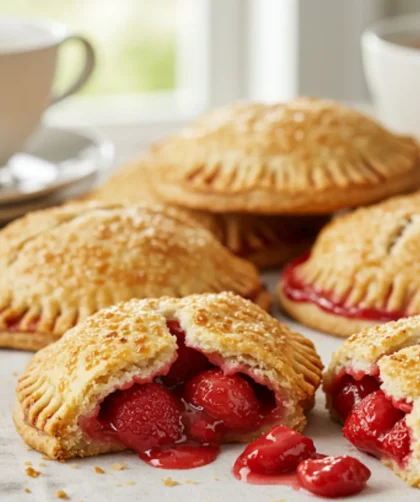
point(313, 316)
point(25, 341)
point(306, 202)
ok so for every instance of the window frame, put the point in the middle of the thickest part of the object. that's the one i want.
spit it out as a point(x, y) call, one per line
point(210, 71)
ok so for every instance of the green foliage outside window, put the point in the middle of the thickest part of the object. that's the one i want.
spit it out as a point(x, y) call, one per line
point(135, 41)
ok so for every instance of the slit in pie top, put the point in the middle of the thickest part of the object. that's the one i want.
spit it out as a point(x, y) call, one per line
point(364, 269)
point(170, 379)
point(63, 264)
point(373, 388)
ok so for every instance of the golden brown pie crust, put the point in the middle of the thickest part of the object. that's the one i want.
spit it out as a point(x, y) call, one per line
point(63, 264)
point(369, 259)
point(131, 340)
point(394, 349)
point(266, 241)
point(308, 156)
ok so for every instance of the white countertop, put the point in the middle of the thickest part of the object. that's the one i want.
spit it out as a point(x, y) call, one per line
point(145, 483)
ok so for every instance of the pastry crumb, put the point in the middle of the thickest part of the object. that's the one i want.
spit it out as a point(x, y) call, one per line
point(15, 373)
point(190, 482)
point(28, 463)
point(73, 466)
point(130, 483)
point(41, 464)
point(216, 479)
point(27, 490)
point(170, 482)
point(32, 473)
point(62, 460)
point(99, 470)
point(61, 494)
point(119, 467)
point(118, 485)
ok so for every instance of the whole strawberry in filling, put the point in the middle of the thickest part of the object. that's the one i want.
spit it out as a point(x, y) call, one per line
point(278, 451)
point(188, 363)
point(145, 416)
point(228, 399)
point(370, 421)
point(349, 392)
point(333, 476)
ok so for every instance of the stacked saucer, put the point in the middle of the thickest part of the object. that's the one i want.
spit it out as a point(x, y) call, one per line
point(55, 165)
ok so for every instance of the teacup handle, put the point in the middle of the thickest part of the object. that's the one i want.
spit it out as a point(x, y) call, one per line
point(87, 69)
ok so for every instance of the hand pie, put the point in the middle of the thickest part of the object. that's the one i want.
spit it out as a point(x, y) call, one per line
point(63, 264)
point(373, 387)
point(308, 156)
point(266, 241)
point(169, 378)
point(364, 269)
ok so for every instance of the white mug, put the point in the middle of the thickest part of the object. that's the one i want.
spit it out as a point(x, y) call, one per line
point(28, 60)
point(392, 71)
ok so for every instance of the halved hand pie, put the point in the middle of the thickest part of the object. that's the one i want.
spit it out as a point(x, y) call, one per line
point(308, 156)
point(61, 265)
point(169, 378)
point(364, 269)
point(373, 387)
point(266, 241)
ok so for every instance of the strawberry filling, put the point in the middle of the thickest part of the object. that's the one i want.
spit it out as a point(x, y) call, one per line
point(333, 476)
point(177, 421)
point(14, 325)
point(373, 422)
point(284, 456)
point(297, 290)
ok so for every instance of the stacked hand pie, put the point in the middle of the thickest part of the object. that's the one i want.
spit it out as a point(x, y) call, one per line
point(364, 269)
point(260, 176)
point(63, 264)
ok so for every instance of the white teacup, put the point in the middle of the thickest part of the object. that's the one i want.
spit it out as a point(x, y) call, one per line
point(28, 60)
point(391, 57)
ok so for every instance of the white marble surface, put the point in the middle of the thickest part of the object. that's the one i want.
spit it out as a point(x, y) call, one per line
point(145, 483)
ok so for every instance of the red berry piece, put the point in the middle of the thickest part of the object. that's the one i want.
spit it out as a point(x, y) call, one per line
point(228, 398)
point(189, 361)
point(279, 451)
point(397, 443)
point(145, 416)
point(370, 421)
point(350, 392)
point(333, 476)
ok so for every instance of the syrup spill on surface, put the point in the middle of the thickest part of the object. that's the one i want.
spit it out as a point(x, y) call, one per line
point(243, 474)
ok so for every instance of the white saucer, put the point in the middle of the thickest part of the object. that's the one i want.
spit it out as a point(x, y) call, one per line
point(52, 160)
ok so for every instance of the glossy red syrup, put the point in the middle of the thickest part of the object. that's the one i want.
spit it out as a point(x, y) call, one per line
point(377, 427)
point(333, 476)
point(177, 421)
point(297, 290)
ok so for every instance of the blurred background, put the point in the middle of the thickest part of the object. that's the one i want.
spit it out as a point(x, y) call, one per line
point(162, 62)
